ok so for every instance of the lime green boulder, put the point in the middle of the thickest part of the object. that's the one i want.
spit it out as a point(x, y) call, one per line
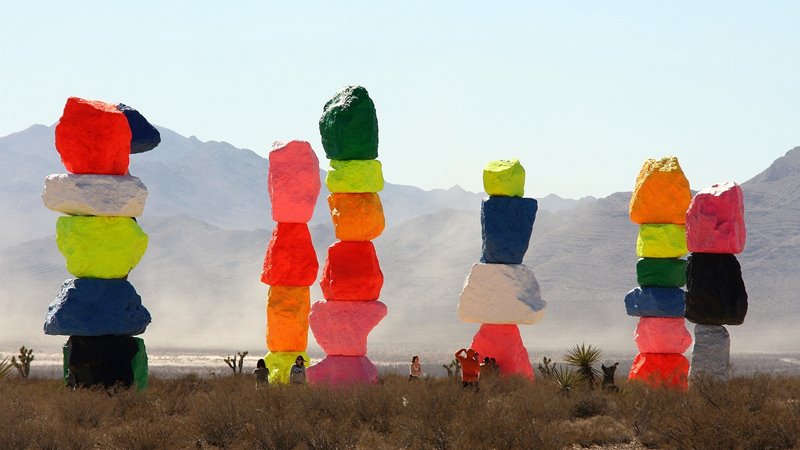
point(100, 247)
point(661, 240)
point(139, 366)
point(355, 176)
point(504, 178)
point(349, 125)
point(661, 272)
point(280, 365)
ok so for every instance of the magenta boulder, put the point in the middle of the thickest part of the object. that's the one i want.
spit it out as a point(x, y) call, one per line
point(341, 327)
point(715, 220)
point(342, 370)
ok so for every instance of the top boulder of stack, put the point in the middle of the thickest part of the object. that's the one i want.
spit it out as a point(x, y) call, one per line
point(349, 125)
point(661, 194)
point(504, 178)
point(144, 136)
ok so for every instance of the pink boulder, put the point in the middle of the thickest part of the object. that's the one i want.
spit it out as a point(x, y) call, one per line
point(715, 220)
point(93, 137)
point(504, 344)
point(662, 335)
point(290, 259)
point(351, 272)
point(294, 181)
point(341, 328)
point(669, 370)
point(343, 370)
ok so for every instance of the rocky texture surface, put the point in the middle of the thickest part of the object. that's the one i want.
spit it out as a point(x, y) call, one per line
point(504, 178)
point(506, 226)
point(355, 176)
point(351, 272)
point(669, 370)
point(101, 360)
point(655, 302)
point(290, 259)
point(349, 125)
point(715, 220)
point(341, 328)
point(662, 335)
point(661, 241)
point(93, 137)
point(711, 356)
point(287, 318)
point(504, 343)
point(280, 364)
point(356, 217)
point(95, 195)
point(501, 294)
point(100, 247)
point(661, 272)
point(343, 370)
point(293, 181)
point(661, 193)
point(144, 136)
point(715, 291)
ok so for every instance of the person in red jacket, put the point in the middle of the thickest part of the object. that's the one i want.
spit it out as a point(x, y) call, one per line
point(470, 367)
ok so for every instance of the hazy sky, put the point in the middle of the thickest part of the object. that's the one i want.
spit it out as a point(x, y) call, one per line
point(580, 92)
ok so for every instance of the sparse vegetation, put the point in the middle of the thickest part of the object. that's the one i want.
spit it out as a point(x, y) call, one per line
point(583, 358)
point(193, 412)
point(453, 369)
point(23, 365)
point(236, 362)
point(5, 367)
point(547, 368)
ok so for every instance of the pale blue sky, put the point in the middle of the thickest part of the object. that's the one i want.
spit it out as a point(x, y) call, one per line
point(580, 92)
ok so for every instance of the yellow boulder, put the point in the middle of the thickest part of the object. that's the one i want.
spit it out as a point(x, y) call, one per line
point(355, 176)
point(100, 247)
point(280, 365)
point(661, 240)
point(504, 178)
point(287, 318)
point(661, 194)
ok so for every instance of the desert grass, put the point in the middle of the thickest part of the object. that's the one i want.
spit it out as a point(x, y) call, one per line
point(507, 413)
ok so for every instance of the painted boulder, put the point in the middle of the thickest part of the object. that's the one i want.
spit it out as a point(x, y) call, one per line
point(668, 370)
point(711, 356)
point(287, 318)
point(290, 259)
point(661, 241)
point(100, 247)
point(341, 328)
point(504, 344)
point(293, 181)
point(501, 294)
point(354, 176)
point(96, 307)
point(356, 217)
point(506, 227)
point(144, 136)
point(504, 178)
point(95, 195)
point(343, 370)
point(661, 272)
point(279, 365)
point(349, 125)
point(93, 137)
point(661, 193)
point(101, 360)
point(351, 272)
point(715, 220)
point(715, 291)
point(655, 302)
point(662, 335)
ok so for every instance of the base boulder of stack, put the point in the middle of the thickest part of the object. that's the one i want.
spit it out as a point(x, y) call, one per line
point(711, 356)
point(105, 360)
point(341, 370)
point(661, 370)
point(504, 344)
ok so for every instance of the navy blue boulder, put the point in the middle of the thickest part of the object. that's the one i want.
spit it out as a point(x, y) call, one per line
point(655, 302)
point(96, 307)
point(506, 226)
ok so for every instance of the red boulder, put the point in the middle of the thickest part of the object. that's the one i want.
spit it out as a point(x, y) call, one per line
point(290, 259)
point(504, 344)
point(670, 370)
point(93, 137)
point(351, 272)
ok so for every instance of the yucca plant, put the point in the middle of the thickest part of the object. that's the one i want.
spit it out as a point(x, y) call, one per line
point(5, 367)
point(565, 378)
point(583, 358)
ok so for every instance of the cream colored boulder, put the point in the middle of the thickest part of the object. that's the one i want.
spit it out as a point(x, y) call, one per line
point(501, 294)
point(95, 195)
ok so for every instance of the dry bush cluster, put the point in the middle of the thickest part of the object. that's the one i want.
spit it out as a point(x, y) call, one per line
point(228, 412)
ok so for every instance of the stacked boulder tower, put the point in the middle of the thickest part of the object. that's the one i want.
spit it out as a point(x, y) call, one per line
point(101, 241)
point(716, 295)
point(290, 264)
point(658, 204)
point(351, 278)
point(500, 292)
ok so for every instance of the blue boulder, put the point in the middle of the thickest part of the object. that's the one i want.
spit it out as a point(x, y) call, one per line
point(144, 137)
point(655, 302)
point(506, 226)
point(96, 307)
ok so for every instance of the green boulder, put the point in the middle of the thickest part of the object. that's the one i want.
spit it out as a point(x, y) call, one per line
point(100, 247)
point(280, 365)
point(661, 272)
point(504, 178)
point(139, 366)
point(355, 176)
point(349, 125)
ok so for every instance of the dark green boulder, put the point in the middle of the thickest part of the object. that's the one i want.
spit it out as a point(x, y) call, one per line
point(139, 365)
point(349, 125)
point(661, 272)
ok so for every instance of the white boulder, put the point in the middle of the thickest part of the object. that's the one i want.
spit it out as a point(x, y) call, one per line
point(501, 294)
point(95, 195)
point(711, 356)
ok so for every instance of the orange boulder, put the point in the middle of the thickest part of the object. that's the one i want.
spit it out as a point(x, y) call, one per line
point(661, 194)
point(669, 370)
point(356, 217)
point(287, 318)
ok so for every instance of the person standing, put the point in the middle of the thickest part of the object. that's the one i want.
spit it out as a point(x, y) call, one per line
point(470, 368)
point(415, 369)
point(261, 373)
point(298, 372)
